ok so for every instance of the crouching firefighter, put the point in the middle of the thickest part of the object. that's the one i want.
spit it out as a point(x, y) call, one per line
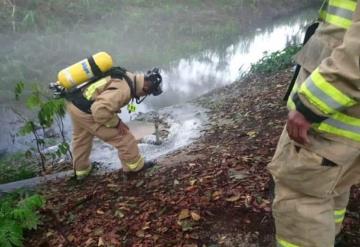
point(95, 104)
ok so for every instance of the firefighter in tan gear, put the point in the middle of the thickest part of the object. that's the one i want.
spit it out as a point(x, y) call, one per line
point(94, 112)
point(317, 159)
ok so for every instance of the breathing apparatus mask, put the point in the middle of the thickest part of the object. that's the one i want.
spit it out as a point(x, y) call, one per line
point(155, 88)
point(154, 77)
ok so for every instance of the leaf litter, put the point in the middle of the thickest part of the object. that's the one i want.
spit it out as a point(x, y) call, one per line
point(215, 192)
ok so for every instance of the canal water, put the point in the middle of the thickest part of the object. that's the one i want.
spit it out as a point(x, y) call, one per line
point(184, 79)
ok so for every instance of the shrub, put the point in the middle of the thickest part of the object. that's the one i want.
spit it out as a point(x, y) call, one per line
point(17, 214)
point(47, 111)
point(16, 166)
point(275, 61)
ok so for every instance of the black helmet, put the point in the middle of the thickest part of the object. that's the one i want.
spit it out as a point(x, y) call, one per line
point(155, 78)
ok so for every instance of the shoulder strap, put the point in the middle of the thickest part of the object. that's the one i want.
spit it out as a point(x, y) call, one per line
point(120, 73)
point(309, 32)
point(115, 72)
point(94, 67)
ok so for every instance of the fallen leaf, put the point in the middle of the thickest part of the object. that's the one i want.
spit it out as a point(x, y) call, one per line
point(98, 231)
point(246, 158)
point(186, 225)
point(195, 216)
point(89, 242)
point(251, 134)
point(155, 237)
point(140, 234)
point(99, 211)
point(70, 237)
point(101, 242)
point(190, 188)
point(233, 198)
point(248, 200)
point(192, 182)
point(185, 213)
point(238, 175)
point(139, 184)
point(216, 195)
point(146, 226)
point(119, 214)
point(163, 229)
point(112, 185)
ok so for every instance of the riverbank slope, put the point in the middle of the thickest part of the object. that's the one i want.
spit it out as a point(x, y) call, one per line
point(215, 192)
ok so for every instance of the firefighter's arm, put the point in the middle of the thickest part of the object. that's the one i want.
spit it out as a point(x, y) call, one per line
point(108, 103)
point(335, 84)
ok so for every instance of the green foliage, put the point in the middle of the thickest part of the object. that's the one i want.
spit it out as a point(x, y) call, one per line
point(275, 61)
point(33, 101)
point(49, 14)
point(19, 88)
point(47, 111)
point(48, 108)
point(17, 166)
point(27, 128)
point(62, 149)
point(17, 214)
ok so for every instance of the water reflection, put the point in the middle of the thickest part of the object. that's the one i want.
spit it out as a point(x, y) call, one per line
point(194, 76)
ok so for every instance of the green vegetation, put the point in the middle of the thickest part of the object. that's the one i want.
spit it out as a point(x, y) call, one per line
point(44, 112)
point(54, 15)
point(18, 212)
point(33, 15)
point(16, 166)
point(48, 111)
point(275, 61)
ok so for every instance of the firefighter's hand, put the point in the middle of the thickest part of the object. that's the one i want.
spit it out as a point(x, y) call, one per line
point(122, 128)
point(297, 127)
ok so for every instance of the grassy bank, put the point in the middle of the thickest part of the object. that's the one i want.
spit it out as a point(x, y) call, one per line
point(37, 15)
point(15, 167)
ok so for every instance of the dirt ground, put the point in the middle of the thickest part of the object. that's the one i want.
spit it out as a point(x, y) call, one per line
point(214, 192)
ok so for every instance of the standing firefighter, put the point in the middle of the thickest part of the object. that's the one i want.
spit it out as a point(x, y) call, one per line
point(318, 155)
point(94, 109)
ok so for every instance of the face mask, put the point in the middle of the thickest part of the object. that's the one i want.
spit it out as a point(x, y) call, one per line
point(155, 78)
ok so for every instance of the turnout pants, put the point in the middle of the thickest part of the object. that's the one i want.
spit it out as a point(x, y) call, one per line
point(85, 129)
point(312, 188)
point(311, 193)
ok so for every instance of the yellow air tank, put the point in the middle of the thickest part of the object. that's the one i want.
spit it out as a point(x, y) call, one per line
point(84, 70)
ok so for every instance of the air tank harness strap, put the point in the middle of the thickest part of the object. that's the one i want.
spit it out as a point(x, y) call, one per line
point(94, 67)
point(78, 100)
point(76, 95)
point(120, 73)
point(308, 34)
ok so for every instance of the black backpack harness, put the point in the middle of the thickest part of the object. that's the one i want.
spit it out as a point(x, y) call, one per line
point(76, 96)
